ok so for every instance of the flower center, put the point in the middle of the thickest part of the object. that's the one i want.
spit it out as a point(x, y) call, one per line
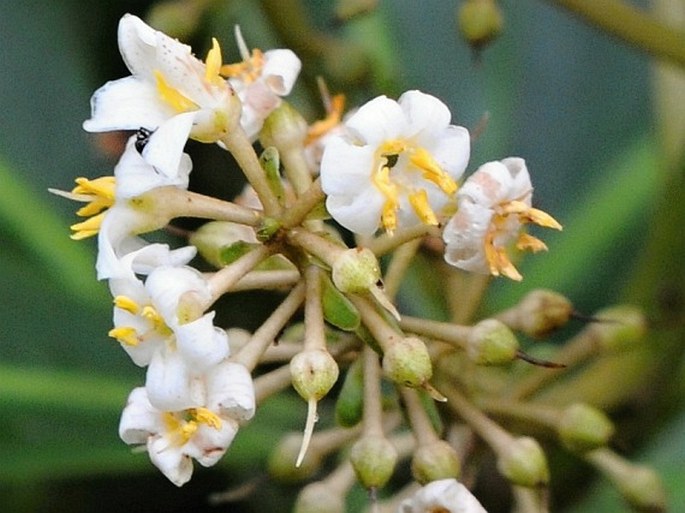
point(505, 215)
point(182, 426)
point(129, 335)
point(388, 157)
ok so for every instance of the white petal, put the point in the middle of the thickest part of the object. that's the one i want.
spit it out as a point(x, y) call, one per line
point(377, 121)
point(451, 148)
point(464, 236)
point(127, 104)
point(360, 214)
point(446, 495)
point(168, 458)
point(164, 150)
point(170, 383)
point(137, 43)
point(520, 187)
point(230, 391)
point(208, 444)
point(201, 344)
point(280, 70)
point(424, 113)
point(140, 419)
point(346, 168)
point(166, 285)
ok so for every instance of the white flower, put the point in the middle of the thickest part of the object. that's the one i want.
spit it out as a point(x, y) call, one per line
point(260, 81)
point(167, 81)
point(155, 329)
point(494, 203)
point(444, 496)
point(396, 165)
point(202, 432)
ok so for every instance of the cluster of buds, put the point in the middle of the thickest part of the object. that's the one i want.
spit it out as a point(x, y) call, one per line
point(391, 174)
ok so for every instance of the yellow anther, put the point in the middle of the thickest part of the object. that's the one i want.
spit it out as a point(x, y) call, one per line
point(213, 64)
point(333, 116)
point(248, 70)
point(381, 180)
point(102, 187)
point(153, 316)
point(432, 171)
point(541, 218)
point(126, 303)
point(419, 202)
point(87, 228)
point(205, 416)
point(180, 430)
point(125, 335)
point(172, 96)
point(497, 258)
point(530, 243)
point(187, 430)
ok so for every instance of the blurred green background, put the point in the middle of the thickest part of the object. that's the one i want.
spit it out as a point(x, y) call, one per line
point(578, 105)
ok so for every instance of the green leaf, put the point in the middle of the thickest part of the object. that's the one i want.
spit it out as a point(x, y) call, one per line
point(337, 309)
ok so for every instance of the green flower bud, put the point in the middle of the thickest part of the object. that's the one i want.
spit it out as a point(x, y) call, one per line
point(221, 242)
point(319, 497)
point(406, 361)
point(280, 462)
point(619, 327)
point(524, 463)
point(541, 312)
point(491, 342)
point(582, 428)
point(313, 373)
point(373, 459)
point(480, 21)
point(356, 270)
point(284, 128)
point(435, 461)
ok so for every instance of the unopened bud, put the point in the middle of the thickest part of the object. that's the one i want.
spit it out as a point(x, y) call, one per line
point(541, 312)
point(356, 270)
point(373, 459)
point(280, 463)
point(491, 342)
point(480, 21)
point(319, 497)
point(619, 327)
point(221, 242)
point(406, 361)
point(313, 373)
point(582, 428)
point(284, 128)
point(524, 463)
point(435, 461)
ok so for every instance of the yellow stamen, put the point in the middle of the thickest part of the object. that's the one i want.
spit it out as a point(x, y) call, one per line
point(333, 116)
point(382, 181)
point(530, 243)
point(392, 147)
point(126, 303)
point(125, 335)
point(181, 430)
point(419, 202)
point(496, 257)
point(541, 218)
point(213, 64)
point(87, 228)
point(432, 171)
point(155, 318)
point(173, 96)
point(205, 416)
point(248, 70)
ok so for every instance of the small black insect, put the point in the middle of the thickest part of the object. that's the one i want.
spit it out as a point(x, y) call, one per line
point(142, 138)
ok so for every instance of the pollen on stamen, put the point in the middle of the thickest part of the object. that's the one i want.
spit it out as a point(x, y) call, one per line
point(125, 335)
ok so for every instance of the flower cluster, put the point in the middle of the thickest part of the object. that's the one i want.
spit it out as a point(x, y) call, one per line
point(391, 172)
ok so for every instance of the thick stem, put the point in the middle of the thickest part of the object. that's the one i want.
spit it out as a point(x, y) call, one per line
point(418, 418)
point(296, 169)
point(632, 26)
point(307, 201)
point(377, 325)
point(266, 280)
point(401, 260)
point(373, 407)
point(181, 203)
point(314, 244)
point(315, 335)
point(454, 334)
point(386, 243)
point(225, 279)
point(239, 145)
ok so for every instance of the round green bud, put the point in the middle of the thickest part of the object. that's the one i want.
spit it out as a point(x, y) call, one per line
point(356, 270)
point(284, 128)
point(435, 461)
point(524, 463)
point(319, 497)
point(582, 428)
point(313, 373)
point(280, 463)
point(480, 21)
point(406, 361)
point(543, 311)
point(213, 238)
point(619, 327)
point(491, 342)
point(373, 459)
